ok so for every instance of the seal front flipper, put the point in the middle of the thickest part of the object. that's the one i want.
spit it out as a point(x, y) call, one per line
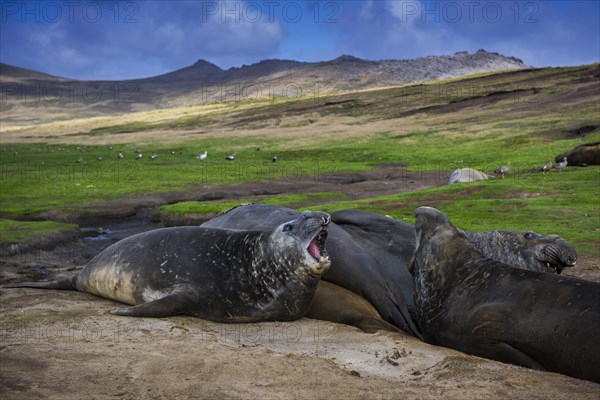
point(506, 353)
point(176, 302)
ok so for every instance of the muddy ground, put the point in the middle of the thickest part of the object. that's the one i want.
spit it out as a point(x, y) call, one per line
point(65, 345)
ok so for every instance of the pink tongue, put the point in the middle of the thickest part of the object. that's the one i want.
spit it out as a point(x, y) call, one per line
point(313, 249)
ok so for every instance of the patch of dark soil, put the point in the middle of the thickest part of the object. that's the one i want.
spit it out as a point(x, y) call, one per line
point(335, 103)
point(46, 241)
point(476, 101)
point(583, 130)
point(392, 165)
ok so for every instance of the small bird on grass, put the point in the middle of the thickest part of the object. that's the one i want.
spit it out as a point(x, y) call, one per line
point(153, 156)
point(138, 156)
point(503, 170)
point(231, 157)
point(274, 159)
point(202, 156)
point(561, 165)
point(547, 167)
point(120, 155)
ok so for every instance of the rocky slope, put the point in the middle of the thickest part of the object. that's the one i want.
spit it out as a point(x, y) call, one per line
point(32, 97)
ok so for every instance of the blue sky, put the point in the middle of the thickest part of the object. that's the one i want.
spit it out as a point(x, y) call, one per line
point(131, 39)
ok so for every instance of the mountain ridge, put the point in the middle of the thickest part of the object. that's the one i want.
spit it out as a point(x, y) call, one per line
point(31, 96)
point(14, 70)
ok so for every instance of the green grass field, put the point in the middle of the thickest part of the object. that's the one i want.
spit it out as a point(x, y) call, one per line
point(481, 122)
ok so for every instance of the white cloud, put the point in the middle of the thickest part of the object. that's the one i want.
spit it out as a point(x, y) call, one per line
point(221, 33)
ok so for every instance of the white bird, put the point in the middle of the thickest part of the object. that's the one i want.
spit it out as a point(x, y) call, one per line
point(120, 155)
point(274, 159)
point(561, 165)
point(202, 156)
point(138, 156)
point(230, 157)
point(100, 158)
point(153, 156)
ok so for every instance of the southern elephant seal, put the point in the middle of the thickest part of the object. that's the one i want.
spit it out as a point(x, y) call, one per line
point(351, 266)
point(467, 175)
point(582, 155)
point(392, 243)
point(486, 308)
point(222, 275)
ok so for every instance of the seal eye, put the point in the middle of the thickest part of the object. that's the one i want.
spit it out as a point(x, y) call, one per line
point(530, 235)
point(287, 227)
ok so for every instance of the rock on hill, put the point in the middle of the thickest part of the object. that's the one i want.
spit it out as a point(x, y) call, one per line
point(33, 97)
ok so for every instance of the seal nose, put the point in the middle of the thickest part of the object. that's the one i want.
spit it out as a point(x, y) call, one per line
point(325, 218)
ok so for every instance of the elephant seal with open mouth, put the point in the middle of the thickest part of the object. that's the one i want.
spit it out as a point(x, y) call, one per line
point(352, 267)
point(221, 275)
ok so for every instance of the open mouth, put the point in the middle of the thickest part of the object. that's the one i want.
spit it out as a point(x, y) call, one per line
point(316, 248)
point(558, 267)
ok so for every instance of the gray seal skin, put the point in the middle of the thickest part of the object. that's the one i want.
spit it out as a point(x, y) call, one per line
point(486, 308)
point(392, 243)
point(220, 275)
point(351, 266)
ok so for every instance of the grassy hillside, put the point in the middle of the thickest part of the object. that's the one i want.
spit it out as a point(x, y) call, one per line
point(523, 117)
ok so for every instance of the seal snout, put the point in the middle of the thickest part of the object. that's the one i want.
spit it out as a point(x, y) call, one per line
point(428, 219)
point(322, 217)
point(559, 255)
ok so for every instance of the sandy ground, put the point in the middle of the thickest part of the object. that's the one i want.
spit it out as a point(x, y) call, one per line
point(65, 345)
